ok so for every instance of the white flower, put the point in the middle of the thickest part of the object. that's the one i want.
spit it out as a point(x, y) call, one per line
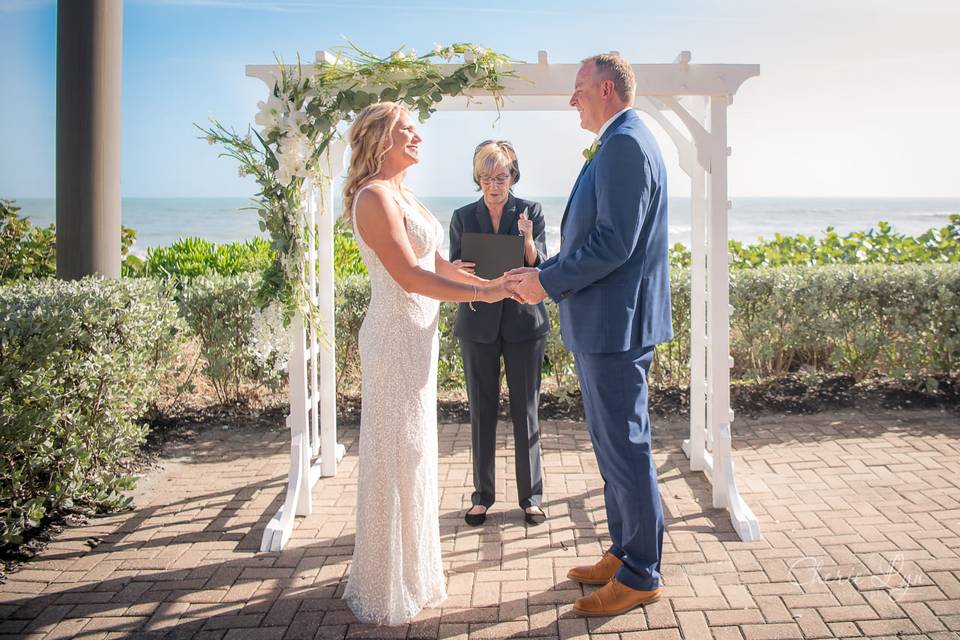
point(242, 171)
point(292, 153)
point(437, 49)
point(271, 113)
point(480, 51)
point(398, 56)
point(269, 342)
point(211, 140)
point(293, 121)
point(412, 54)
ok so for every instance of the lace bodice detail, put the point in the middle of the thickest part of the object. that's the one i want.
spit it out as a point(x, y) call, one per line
point(425, 235)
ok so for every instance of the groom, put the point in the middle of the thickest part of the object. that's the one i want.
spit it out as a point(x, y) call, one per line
point(611, 280)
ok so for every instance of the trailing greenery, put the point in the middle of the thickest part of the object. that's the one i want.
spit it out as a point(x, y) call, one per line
point(79, 364)
point(191, 257)
point(28, 251)
point(881, 245)
point(301, 117)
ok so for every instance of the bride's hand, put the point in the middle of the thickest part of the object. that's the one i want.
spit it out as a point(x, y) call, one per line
point(494, 290)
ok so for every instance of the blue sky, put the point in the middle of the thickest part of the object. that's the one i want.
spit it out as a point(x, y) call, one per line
point(855, 97)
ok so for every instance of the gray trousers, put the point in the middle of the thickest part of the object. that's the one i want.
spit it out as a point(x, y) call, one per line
point(481, 366)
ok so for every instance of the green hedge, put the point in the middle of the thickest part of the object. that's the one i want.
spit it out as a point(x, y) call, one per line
point(900, 321)
point(880, 245)
point(243, 348)
point(79, 364)
point(191, 257)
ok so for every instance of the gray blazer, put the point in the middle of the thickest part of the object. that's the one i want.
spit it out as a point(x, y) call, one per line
point(507, 319)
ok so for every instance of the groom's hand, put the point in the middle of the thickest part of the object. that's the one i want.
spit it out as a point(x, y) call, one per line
point(514, 274)
point(525, 284)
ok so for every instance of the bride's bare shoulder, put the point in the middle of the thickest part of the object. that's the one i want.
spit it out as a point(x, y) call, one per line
point(375, 196)
point(377, 210)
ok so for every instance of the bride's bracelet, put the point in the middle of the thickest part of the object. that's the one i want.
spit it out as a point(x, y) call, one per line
point(474, 297)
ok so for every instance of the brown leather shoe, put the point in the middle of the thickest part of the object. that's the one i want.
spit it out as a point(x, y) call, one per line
point(613, 599)
point(599, 573)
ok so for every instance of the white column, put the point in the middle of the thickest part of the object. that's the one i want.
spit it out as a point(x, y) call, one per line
point(718, 286)
point(312, 194)
point(331, 451)
point(725, 492)
point(299, 487)
point(698, 325)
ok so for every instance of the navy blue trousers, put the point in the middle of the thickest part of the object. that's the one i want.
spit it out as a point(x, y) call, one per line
point(614, 389)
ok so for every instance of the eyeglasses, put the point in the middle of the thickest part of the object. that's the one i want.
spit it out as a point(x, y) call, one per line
point(501, 179)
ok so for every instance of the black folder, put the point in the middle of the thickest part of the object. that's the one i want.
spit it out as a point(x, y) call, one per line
point(494, 254)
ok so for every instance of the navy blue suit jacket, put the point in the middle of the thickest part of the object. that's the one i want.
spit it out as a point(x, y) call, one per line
point(611, 278)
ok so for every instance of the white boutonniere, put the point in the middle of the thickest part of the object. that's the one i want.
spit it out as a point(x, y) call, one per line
point(591, 151)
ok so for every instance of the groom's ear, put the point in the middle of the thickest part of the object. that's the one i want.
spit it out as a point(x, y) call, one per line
point(607, 88)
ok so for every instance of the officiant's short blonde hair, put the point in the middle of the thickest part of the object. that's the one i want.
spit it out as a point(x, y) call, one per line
point(610, 66)
point(491, 154)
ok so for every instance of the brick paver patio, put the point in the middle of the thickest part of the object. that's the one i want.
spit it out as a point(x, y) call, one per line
point(860, 515)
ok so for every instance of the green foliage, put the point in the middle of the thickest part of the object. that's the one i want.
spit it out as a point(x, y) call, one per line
point(26, 251)
point(899, 321)
point(450, 363)
point(241, 346)
point(881, 245)
point(346, 254)
point(558, 362)
point(191, 257)
point(29, 252)
point(902, 321)
point(79, 364)
point(351, 299)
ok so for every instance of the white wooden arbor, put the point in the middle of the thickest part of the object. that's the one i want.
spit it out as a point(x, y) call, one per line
point(689, 101)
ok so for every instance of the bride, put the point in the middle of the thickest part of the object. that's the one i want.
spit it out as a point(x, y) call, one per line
point(396, 569)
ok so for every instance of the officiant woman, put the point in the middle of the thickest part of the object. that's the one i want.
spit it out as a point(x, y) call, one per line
point(515, 331)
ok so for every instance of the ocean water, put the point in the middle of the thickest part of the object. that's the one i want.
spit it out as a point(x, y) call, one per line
point(161, 221)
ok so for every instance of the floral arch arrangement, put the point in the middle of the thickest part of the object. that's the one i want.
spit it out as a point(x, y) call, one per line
point(300, 119)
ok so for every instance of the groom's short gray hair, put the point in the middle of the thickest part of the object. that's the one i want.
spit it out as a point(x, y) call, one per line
point(610, 66)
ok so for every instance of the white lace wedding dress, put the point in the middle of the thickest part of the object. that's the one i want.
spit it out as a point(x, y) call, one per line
point(396, 569)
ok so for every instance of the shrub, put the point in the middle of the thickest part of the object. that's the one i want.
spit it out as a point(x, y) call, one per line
point(240, 345)
point(346, 254)
point(351, 299)
point(27, 251)
point(900, 321)
point(79, 364)
point(191, 257)
point(874, 246)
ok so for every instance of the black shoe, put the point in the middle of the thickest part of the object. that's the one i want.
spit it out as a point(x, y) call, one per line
point(475, 519)
point(535, 518)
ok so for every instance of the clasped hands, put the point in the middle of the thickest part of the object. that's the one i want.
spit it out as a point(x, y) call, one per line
point(523, 285)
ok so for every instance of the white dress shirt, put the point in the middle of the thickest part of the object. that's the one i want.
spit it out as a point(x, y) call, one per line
point(610, 121)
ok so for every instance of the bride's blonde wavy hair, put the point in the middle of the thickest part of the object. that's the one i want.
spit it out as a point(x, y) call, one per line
point(370, 138)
